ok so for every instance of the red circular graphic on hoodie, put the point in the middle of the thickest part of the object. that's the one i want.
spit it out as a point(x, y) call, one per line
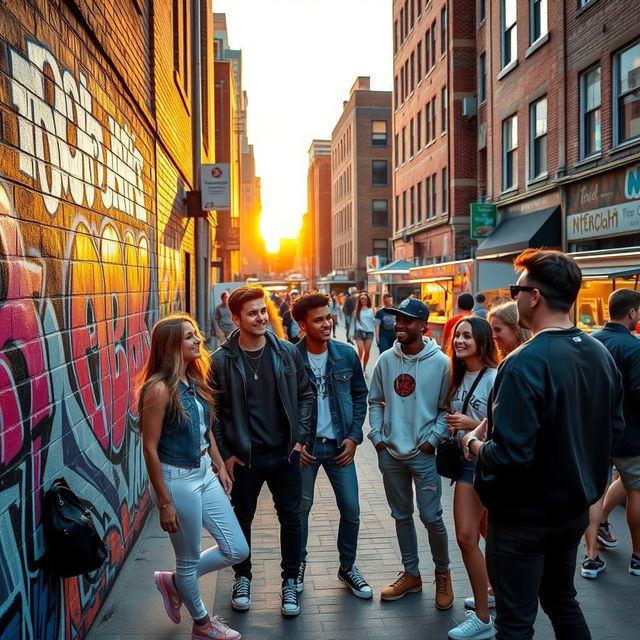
point(404, 385)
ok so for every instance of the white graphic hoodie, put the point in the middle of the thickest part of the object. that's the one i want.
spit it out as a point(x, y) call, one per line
point(407, 399)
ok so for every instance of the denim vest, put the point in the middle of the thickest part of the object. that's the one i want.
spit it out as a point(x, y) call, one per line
point(179, 443)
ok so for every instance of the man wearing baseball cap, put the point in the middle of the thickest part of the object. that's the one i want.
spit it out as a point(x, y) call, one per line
point(406, 415)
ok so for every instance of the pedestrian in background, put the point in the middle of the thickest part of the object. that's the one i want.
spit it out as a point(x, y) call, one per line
point(348, 308)
point(336, 430)
point(556, 409)
point(508, 335)
point(385, 321)
point(264, 403)
point(362, 328)
point(407, 403)
point(479, 307)
point(175, 410)
point(334, 305)
point(289, 325)
point(473, 371)
point(465, 306)
point(222, 323)
point(624, 314)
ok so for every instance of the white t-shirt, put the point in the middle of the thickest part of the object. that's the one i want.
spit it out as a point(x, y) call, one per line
point(318, 364)
point(203, 425)
point(367, 321)
point(477, 406)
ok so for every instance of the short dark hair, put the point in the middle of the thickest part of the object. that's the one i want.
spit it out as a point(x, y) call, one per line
point(480, 298)
point(306, 302)
point(386, 296)
point(465, 302)
point(244, 294)
point(558, 276)
point(621, 301)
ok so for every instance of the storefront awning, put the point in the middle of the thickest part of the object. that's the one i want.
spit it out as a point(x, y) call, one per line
point(433, 279)
point(593, 273)
point(396, 267)
point(520, 232)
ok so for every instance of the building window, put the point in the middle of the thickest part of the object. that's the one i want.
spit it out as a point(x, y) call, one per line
point(509, 31)
point(482, 10)
point(181, 43)
point(379, 133)
point(419, 201)
point(404, 144)
point(427, 124)
point(419, 62)
point(395, 92)
point(395, 37)
point(443, 31)
point(445, 190)
point(427, 198)
point(380, 213)
point(404, 209)
point(434, 35)
point(443, 110)
point(411, 140)
point(406, 18)
point(538, 19)
point(397, 226)
point(433, 119)
point(412, 198)
point(381, 248)
point(396, 150)
point(379, 173)
point(538, 124)
point(419, 8)
point(482, 78)
point(627, 94)
point(427, 51)
point(401, 25)
point(419, 131)
point(413, 13)
point(590, 127)
point(434, 196)
point(412, 69)
point(509, 152)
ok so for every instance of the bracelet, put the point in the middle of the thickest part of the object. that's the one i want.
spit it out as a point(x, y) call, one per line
point(164, 506)
point(469, 445)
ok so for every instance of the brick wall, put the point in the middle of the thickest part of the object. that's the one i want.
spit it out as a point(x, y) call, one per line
point(95, 155)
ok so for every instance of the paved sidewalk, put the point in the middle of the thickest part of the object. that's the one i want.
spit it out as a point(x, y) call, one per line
point(329, 612)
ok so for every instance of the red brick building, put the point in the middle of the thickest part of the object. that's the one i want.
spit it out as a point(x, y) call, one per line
point(434, 129)
point(319, 210)
point(361, 180)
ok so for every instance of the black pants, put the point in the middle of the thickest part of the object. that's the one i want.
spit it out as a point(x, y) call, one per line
point(527, 562)
point(283, 479)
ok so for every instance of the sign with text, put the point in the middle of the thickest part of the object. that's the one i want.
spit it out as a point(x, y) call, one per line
point(483, 219)
point(215, 181)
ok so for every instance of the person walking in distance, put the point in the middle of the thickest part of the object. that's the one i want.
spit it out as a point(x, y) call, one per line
point(556, 410)
point(407, 402)
point(264, 402)
point(175, 411)
point(385, 335)
point(341, 406)
point(222, 322)
point(334, 305)
point(624, 313)
point(465, 306)
point(348, 308)
point(362, 328)
point(473, 370)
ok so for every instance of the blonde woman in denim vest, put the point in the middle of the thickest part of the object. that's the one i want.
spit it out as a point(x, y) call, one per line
point(175, 412)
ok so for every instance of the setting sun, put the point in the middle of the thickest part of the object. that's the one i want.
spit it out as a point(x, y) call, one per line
point(274, 229)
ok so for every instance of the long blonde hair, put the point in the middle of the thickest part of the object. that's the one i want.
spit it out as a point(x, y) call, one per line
point(165, 361)
point(508, 313)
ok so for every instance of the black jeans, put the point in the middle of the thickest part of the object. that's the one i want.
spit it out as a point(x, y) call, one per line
point(283, 479)
point(527, 562)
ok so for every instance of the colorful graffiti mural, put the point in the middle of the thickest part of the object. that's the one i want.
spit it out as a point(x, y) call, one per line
point(78, 295)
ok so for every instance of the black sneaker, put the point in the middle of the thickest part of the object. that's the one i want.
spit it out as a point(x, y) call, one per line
point(354, 580)
point(300, 578)
point(290, 606)
point(605, 535)
point(241, 594)
point(592, 567)
point(634, 565)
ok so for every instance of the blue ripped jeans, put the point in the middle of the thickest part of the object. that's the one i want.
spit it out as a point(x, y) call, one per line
point(399, 478)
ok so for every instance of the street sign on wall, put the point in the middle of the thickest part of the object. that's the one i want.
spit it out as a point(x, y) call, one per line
point(483, 219)
point(215, 181)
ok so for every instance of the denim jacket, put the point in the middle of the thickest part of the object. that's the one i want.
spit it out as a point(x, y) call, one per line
point(347, 391)
point(179, 443)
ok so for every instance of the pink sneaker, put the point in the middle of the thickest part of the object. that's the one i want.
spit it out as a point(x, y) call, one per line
point(170, 596)
point(216, 629)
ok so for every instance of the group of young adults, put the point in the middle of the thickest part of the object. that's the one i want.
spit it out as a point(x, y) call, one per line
point(535, 435)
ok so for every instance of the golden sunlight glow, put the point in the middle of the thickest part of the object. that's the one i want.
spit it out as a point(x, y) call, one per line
point(275, 229)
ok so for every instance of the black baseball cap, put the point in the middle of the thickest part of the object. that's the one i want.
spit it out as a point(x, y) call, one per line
point(411, 307)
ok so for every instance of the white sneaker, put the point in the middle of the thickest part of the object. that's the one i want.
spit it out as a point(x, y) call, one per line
point(470, 603)
point(473, 628)
point(241, 594)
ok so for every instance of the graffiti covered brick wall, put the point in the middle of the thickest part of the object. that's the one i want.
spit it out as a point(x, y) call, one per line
point(81, 247)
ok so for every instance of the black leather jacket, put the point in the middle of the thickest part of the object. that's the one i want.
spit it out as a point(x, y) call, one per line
point(230, 426)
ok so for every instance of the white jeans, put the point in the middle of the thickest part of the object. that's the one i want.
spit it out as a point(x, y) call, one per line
point(200, 501)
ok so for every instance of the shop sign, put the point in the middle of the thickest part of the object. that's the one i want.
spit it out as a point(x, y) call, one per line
point(607, 221)
point(483, 219)
point(444, 270)
point(375, 262)
point(215, 182)
point(232, 242)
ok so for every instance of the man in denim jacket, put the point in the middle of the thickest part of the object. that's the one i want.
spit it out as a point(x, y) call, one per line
point(336, 430)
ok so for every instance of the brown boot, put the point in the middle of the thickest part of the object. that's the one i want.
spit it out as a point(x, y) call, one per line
point(406, 583)
point(444, 591)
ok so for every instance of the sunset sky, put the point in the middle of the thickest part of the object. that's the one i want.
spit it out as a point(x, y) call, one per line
point(300, 58)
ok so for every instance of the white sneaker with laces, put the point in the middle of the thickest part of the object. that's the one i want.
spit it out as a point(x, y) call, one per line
point(473, 628)
point(470, 603)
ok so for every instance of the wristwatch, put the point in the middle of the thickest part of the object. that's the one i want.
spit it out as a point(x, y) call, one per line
point(469, 444)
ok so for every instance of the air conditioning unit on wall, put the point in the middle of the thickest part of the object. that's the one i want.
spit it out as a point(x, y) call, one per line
point(469, 106)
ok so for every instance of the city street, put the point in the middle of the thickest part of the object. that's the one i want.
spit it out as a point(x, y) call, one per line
point(134, 607)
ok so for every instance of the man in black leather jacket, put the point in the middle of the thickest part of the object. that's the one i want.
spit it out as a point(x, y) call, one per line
point(263, 414)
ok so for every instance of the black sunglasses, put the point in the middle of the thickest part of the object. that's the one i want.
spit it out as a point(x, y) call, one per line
point(515, 289)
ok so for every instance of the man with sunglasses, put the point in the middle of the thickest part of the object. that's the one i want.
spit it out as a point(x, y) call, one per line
point(556, 409)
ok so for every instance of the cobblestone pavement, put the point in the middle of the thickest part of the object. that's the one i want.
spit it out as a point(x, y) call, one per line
point(329, 611)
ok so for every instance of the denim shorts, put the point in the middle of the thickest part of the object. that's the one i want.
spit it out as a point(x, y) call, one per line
point(467, 469)
point(363, 335)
